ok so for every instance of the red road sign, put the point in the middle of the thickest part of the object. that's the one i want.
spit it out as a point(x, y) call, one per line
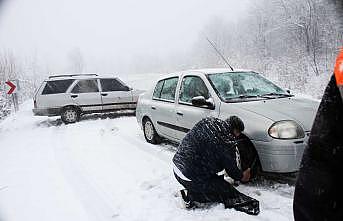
point(13, 87)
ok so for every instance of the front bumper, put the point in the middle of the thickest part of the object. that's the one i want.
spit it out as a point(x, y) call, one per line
point(46, 111)
point(281, 156)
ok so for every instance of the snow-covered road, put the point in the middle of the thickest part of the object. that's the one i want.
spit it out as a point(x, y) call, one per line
point(102, 169)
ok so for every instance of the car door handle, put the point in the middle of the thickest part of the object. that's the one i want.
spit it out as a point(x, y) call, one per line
point(74, 96)
point(179, 113)
point(153, 107)
point(104, 94)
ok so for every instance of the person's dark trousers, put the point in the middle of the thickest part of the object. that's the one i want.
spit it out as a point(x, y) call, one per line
point(248, 155)
point(217, 190)
point(247, 151)
point(318, 192)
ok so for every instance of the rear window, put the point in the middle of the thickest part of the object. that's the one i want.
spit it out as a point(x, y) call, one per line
point(158, 89)
point(57, 87)
point(165, 89)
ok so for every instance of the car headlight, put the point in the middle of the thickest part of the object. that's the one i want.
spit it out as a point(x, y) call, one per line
point(286, 129)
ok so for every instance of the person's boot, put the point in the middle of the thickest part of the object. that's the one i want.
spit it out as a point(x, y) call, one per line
point(251, 208)
point(189, 204)
point(243, 203)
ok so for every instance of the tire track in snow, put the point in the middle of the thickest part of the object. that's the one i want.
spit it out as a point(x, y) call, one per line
point(94, 200)
point(156, 151)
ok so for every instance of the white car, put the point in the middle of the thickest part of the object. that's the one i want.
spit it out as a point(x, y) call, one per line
point(277, 122)
point(69, 96)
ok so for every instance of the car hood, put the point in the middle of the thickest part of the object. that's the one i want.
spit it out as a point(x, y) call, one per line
point(301, 110)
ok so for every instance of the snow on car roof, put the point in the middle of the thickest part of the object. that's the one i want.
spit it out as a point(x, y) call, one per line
point(219, 70)
point(80, 76)
point(203, 71)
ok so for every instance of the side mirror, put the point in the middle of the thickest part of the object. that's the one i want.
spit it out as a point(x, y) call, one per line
point(288, 91)
point(201, 101)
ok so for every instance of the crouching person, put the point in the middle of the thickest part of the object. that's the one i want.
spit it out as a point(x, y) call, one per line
point(207, 149)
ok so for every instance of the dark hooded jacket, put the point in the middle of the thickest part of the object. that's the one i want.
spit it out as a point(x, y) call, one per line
point(208, 148)
point(319, 192)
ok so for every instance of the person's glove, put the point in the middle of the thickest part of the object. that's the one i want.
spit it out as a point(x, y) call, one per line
point(246, 175)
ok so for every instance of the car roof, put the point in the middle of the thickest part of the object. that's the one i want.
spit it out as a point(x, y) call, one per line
point(203, 71)
point(79, 76)
point(219, 70)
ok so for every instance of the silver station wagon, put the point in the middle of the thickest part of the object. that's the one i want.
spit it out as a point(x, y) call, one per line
point(277, 122)
point(71, 95)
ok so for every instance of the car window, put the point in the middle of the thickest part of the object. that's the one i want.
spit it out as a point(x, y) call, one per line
point(253, 83)
point(165, 89)
point(86, 86)
point(112, 84)
point(192, 86)
point(158, 89)
point(239, 84)
point(169, 89)
point(57, 87)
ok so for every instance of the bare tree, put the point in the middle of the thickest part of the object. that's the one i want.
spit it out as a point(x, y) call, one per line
point(76, 60)
point(293, 41)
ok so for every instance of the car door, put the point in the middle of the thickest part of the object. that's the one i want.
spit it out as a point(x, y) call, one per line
point(188, 114)
point(163, 107)
point(86, 94)
point(115, 95)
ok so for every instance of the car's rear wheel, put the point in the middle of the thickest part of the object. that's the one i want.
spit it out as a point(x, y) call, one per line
point(150, 133)
point(70, 115)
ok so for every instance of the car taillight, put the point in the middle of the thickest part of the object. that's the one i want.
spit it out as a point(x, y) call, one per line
point(34, 103)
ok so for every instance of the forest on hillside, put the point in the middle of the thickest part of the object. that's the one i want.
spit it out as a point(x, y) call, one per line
point(293, 43)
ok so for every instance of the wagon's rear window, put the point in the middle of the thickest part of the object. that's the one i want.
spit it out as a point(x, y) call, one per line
point(57, 87)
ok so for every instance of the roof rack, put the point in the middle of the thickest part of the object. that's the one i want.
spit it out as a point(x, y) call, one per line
point(71, 75)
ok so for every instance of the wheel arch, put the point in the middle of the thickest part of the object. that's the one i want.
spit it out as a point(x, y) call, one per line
point(72, 106)
point(145, 117)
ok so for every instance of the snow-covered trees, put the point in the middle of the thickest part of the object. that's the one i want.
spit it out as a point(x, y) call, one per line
point(24, 70)
point(8, 70)
point(293, 42)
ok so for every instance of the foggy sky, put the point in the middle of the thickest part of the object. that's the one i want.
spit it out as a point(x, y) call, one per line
point(109, 34)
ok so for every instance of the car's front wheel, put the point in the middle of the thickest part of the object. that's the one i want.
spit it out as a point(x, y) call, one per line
point(150, 133)
point(70, 115)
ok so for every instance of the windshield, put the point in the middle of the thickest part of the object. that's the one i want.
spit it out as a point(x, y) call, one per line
point(239, 85)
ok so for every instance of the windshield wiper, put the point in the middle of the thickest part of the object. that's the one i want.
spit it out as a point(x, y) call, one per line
point(266, 96)
point(276, 94)
point(242, 97)
point(247, 96)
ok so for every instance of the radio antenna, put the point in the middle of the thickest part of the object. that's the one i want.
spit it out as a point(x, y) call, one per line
point(218, 52)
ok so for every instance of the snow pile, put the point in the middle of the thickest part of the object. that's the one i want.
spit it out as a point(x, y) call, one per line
point(101, 169)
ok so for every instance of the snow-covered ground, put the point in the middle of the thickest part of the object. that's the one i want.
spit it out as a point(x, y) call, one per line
point(102, 169)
